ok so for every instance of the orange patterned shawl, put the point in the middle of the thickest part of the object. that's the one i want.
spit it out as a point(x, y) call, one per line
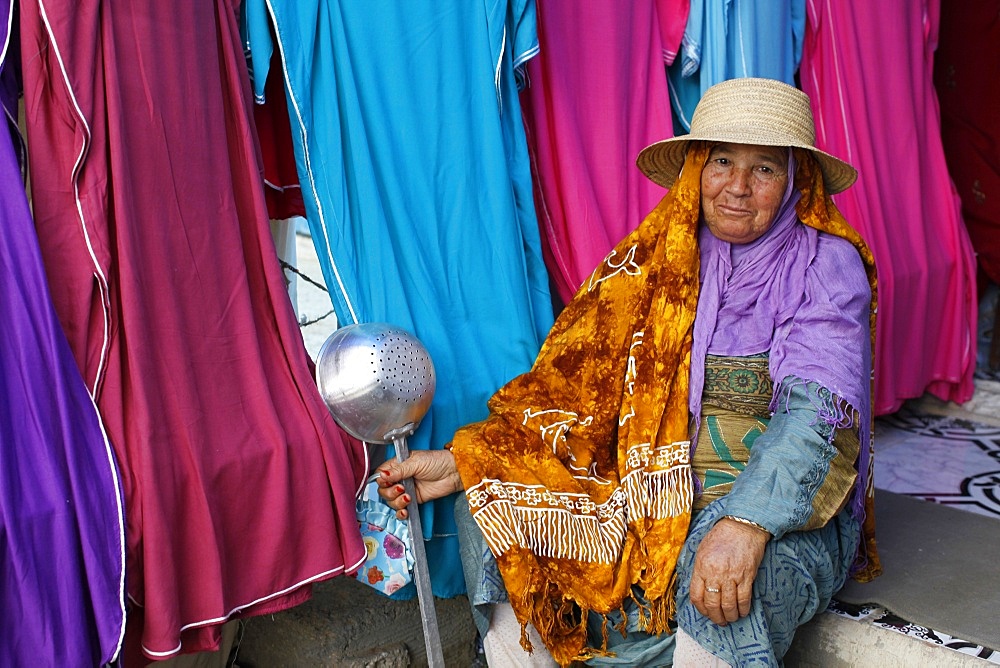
point(580, 478)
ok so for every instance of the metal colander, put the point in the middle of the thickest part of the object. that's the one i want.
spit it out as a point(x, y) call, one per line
point(376, 379)
point(378, 382)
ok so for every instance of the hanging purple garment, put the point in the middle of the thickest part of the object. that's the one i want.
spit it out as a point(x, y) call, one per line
point(62, 549)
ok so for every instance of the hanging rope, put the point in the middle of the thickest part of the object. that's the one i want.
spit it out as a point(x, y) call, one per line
point(294, 270)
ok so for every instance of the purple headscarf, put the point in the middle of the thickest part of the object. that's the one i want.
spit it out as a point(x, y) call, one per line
point(799, 295)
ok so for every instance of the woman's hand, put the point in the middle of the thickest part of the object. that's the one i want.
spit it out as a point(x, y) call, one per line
point(727, 561)
point(433, 472)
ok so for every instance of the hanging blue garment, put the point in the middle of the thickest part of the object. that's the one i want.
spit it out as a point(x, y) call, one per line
point(414, 170)
point(729, 39)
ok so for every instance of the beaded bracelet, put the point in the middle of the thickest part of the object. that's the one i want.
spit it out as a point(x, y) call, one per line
point(749, 523)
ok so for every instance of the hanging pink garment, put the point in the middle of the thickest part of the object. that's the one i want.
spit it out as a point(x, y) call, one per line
point(239, 487)
point(867, 67)
point(597, 95)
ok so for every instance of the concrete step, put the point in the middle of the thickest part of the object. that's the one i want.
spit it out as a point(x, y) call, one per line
point(832, 641)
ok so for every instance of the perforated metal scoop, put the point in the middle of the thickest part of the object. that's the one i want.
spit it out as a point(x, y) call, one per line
point(376, 378)
point(378, 382)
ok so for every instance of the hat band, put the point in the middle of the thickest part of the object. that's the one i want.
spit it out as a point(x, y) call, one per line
point(743, 133)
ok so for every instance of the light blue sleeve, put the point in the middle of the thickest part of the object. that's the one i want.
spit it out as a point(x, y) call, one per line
point(788, 464)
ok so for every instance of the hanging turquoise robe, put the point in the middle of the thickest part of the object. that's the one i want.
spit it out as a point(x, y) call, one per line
point(414, 171)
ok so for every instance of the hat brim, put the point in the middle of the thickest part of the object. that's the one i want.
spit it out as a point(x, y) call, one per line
point(661, 162)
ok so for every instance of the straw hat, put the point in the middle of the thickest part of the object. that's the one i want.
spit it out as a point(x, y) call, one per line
point(747, 111)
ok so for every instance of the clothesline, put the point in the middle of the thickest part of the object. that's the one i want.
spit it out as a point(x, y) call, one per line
point(305, 323)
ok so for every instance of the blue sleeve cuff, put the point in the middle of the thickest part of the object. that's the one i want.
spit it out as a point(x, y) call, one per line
point(787, 466)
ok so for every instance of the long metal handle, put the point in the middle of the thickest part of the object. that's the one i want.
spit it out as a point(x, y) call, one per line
point(421, 576)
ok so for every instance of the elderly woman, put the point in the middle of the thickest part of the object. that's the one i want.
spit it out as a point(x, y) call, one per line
point(685, 455)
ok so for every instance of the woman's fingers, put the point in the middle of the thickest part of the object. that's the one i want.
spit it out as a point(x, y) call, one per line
point(708, 599)
point(727, 603)
point(393, 471)
point(725, 566)
point(716, 601)
point(390, 488)
point(434, 476)
point(744, 594)
point(396, 497)
point(722, 603)
point(433, 472)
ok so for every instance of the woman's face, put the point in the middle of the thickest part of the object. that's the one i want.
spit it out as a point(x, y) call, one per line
point(741, 190)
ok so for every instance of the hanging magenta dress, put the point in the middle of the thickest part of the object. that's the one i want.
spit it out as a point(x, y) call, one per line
point(867, 66)
point(597, 95)
point(239, 488)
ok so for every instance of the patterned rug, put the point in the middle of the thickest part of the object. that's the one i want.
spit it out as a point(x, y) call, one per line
point(958, 463)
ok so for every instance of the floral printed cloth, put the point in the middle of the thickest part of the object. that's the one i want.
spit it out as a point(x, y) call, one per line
point(389, 563)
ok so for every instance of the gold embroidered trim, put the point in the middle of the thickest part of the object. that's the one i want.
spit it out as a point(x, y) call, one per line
point(740, 384)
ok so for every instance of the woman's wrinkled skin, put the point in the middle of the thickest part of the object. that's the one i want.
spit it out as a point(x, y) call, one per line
point(741, 190)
